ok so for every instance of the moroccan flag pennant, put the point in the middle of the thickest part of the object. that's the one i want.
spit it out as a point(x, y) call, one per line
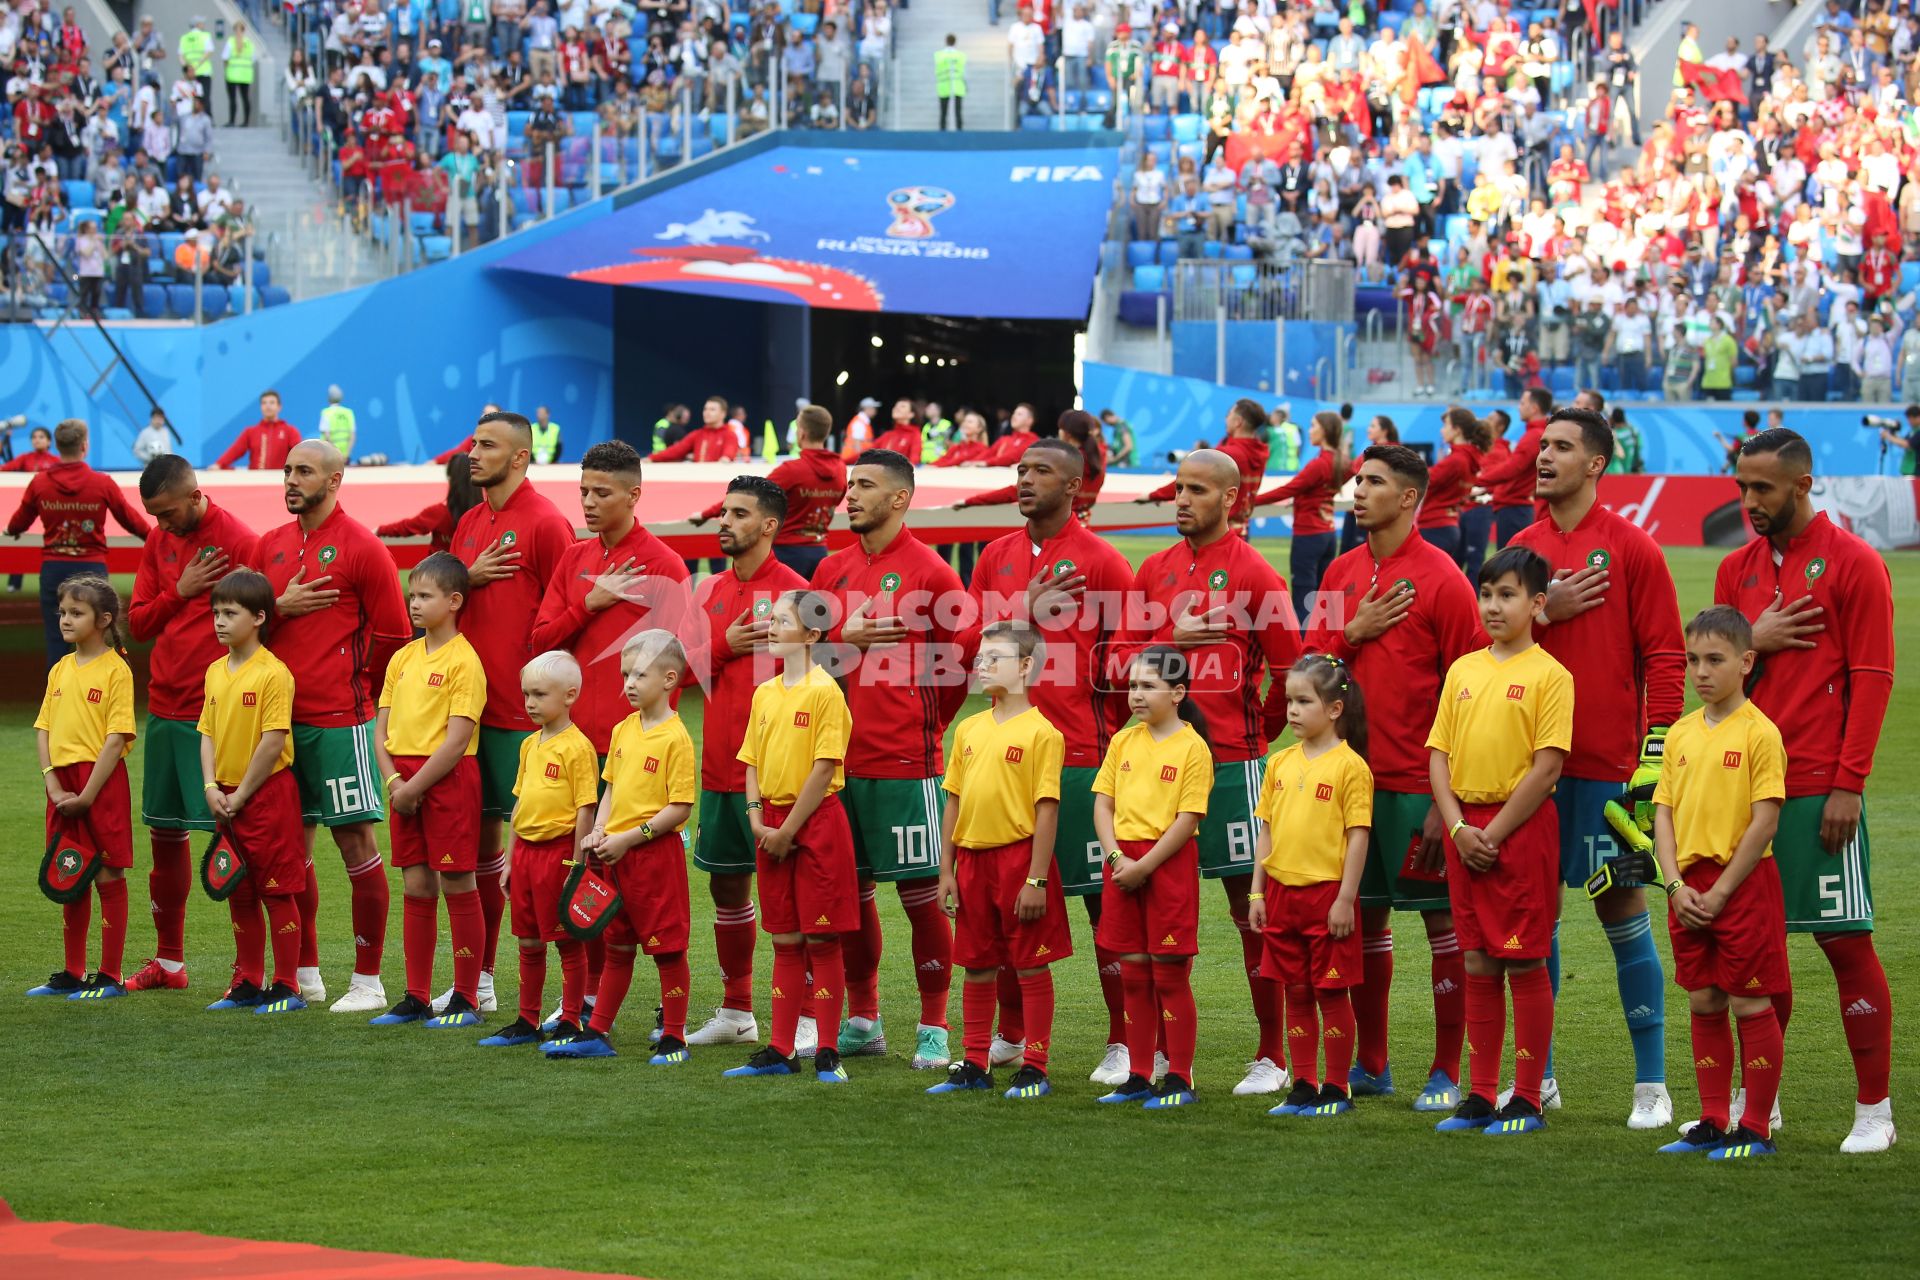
point(588, 903)
point(71, 862)
point(1421, 71)
point(223, 866)
point(1712, 84)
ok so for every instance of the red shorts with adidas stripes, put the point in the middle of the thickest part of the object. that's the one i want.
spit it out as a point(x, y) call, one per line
point(654, 912)
point(1744, 951)
point(815, 888)
point(1508, 911)
point(986, 932)
point(110, 820)
point(1162, 917)
point(269, 833)
point(534, 884)
point(443, 834)
point(1299, 950)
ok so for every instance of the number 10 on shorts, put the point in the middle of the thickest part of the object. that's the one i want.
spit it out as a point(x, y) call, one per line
point(912, 846)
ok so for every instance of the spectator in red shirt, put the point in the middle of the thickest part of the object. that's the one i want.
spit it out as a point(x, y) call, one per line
point(466, 444)
point(970, 446)
point(42, 456)
point(71, 500)
point(814, 483)
point(903, 437)
point(266, 443)
point(1006, 451)
point(436, 523)
point(712, 441)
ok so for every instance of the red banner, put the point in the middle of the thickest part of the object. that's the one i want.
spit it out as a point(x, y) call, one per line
point(1712, 84)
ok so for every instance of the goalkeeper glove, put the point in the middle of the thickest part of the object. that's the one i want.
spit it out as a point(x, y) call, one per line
point(1646, 777)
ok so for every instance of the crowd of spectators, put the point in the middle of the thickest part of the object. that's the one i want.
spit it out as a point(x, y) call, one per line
point(435, 103)
point(1525, 204)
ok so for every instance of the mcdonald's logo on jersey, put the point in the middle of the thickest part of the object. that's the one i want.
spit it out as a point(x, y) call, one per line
point(1731, 760)
point(1516, 691)
point(802, 719)
point(435, 679)
point(249, 699)
point(1323, 792)
point(1015, 755)
point(1169, 772)
point(553, 771)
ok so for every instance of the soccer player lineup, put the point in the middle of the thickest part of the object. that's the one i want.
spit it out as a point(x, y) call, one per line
point(1483, 748)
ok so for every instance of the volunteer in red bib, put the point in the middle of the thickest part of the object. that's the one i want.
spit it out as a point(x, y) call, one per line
point(1821, 602)
point(1398, 613)
point(1072, 585)
point(195, 543)
point(1214, 596)
point(1509, 480)
point(1243, 444)
point(511, 542)
point(1312, 492)
point(813, 483)
point(1612, 617)
point(1450, 481)
point(1011, 447)
point(338, 617)
point(899, 604)
point(728, 657)
point(712, 441)
point(266, 443)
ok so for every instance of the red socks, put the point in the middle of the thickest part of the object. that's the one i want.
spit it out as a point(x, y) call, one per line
point(863, 962)
point(493, 904)
point(789, 986)
point(1303, 1035)
point(1713, 1066)
point(283, 926)
point(734, 930)
point(1866, 1010)
point(168, 886)
point(616, 977)
point(1449, 1004)
point(1532, 1030)
point(368, 884)
point(827, 964)
point(1269, 997)
point(1113, 992)
point(1760, 1053)
point(419, 934)
point(307, 911)
point(977, 1001)
point(1338, 1033)
point(1369, 1001)
point(573, 981)
point(249, 936)
point(533, 983)
point(1036, 997)
point(113, 925)
point(1173, 991)
point(1143, 1017)
point(676, 979)
point(76, 918)
point(1013, 1017)
point(468, 927)
point(1486, 1034)
point(596, 961)
point(932, 949)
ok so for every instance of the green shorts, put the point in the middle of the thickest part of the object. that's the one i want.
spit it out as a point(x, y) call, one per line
point(896, 826)
point(1825, 892)
point(335, 770)
point(1077, 854)
point(499, 770)
point(172, 795)
point(1227, 832)
point(724, 844)
point(1397, 821)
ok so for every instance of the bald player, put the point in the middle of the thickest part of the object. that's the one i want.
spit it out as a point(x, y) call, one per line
point(1214, 596)
point(511, 543)
point(1821, 602)
point(338, 617)
point(195, 543)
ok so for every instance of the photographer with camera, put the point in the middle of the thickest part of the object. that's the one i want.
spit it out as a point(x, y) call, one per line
point(1891, 437)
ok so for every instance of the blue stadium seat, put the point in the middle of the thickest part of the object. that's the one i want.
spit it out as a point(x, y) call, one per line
point(1190, 150)
point(1070, 100)
point(1036, 124)
point(1154, 128)
point(153, 301)
point(115, 313)
point(1141, 252)
point(274, 296)
point(1150, 278)
point(1169, 252)
point(1239, 252)
point(583, 122)
point(721, 128)
point(435, 248)
point(214, 301)
point(262, 277)
point(1186, 127)
point(1163, 152)
point(420, 223)
point(1212, 249)
point(79, 193)
point(805, 23)
point(1100, 100)
point(180, 301)
point(57, 292)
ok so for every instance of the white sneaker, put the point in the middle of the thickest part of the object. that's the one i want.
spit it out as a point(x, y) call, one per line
point(1652, 1107)
point(313, 988)
point(727, 1026)
point(1159, 1065)
point(1549, 1096)
point(586, 1011)
point(1113, 1067)
point(806, 1038)
point(1872, 1128)
point(1737, 1108)
point(440, 1001)
point(1264, 1075)
point(1004, 1053)
point(364, 995)
point(486, 1002)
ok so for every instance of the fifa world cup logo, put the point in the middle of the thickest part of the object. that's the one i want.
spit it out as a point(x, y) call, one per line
point(914, 209)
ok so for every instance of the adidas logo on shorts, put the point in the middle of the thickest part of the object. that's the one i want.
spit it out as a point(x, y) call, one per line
point(823, 920)
point(1169, 941)
point(1858, 1009)
point(1332, 972)
point(1752, 983)
point(446, 859)
point(1512, 943)
point(1043, 950)
point(653, 940)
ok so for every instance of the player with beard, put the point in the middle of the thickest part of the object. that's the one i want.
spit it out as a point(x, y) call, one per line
point(338, 618)
point(1821, 602)
point(1072, 585)
point(896, 603)
point(1215, 597)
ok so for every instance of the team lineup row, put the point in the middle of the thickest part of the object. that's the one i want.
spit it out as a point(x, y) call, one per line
point(1394, 616)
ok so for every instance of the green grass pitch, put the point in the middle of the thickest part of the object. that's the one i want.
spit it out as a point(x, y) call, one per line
point(148, 1112)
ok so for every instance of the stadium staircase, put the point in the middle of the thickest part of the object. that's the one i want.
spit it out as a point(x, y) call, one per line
point(921, 31)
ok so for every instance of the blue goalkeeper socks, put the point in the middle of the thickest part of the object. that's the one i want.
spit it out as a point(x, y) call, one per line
point(1642, 994)
point(1553, 980)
